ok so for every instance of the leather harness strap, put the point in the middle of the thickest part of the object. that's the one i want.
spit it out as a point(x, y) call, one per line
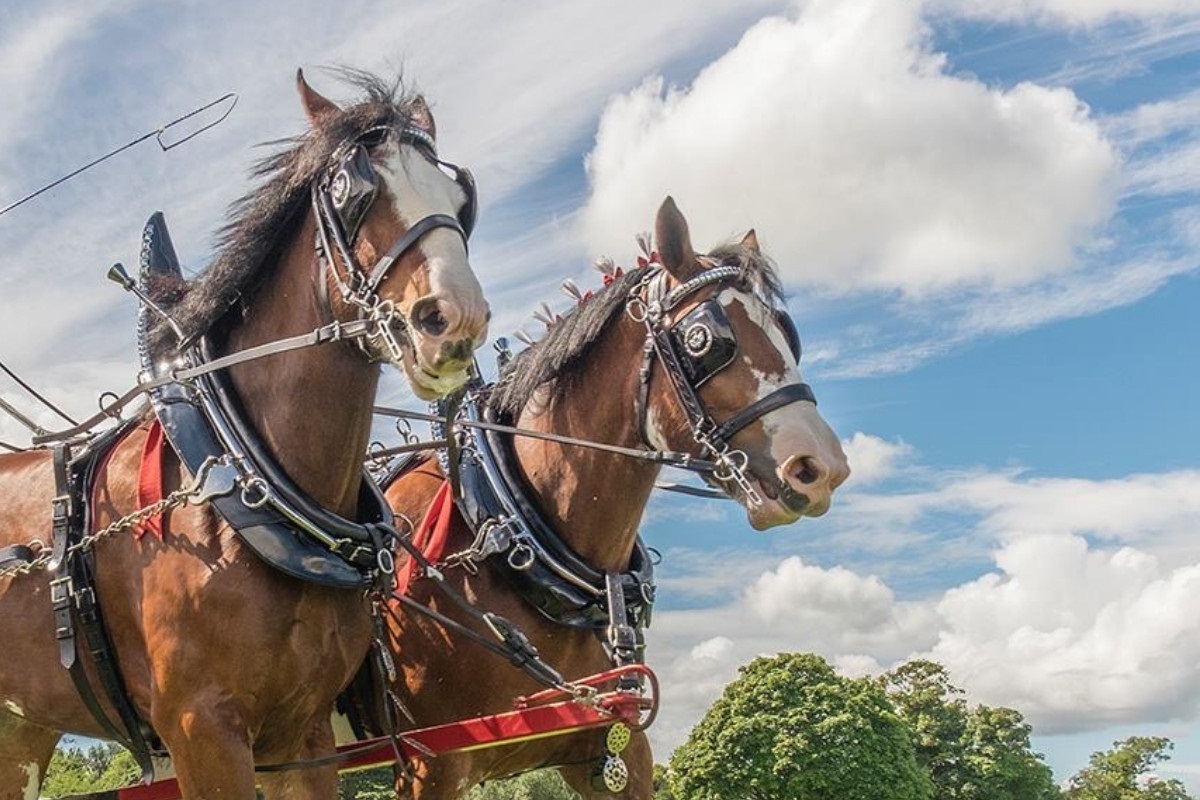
point(74, 603)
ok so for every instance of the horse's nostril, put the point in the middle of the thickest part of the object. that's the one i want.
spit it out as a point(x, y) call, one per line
point(428, 317)
point(807, 470)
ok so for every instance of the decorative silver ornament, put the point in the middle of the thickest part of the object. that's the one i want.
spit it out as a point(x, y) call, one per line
point(697, 340)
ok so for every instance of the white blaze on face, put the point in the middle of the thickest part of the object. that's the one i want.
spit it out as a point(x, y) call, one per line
point(796, 428)
point(419, 188)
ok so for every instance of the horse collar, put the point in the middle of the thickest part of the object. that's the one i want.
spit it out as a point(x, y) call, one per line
point(272, 515)
point(548, 573)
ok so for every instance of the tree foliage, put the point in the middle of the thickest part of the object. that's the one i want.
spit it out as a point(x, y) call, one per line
point(542, 784)
point(377, 784)
point(1123, 773)
point(979, 753)
point(78, 770)
point(790, 728)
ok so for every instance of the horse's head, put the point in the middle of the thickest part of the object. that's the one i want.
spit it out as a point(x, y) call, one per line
point(392, 224)
point(731, 359)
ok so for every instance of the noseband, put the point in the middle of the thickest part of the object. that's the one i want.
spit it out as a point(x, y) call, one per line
point(341, 200)
point(694, 349)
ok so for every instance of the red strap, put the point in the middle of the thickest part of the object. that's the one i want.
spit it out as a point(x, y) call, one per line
point(431, 535)
point(150, 479)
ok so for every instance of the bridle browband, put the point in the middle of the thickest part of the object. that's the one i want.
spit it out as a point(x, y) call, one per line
point(341, 200)
point(651, 305)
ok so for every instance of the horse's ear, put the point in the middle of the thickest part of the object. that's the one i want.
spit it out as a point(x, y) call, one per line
point(316, 107)
point(750, 242)
point(421, 116)
point(674, 242)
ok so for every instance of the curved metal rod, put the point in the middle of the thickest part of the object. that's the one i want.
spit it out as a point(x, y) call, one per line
point(156, 134)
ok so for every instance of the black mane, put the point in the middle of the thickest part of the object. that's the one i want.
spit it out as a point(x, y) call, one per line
point(257, 224)
point(557, 356)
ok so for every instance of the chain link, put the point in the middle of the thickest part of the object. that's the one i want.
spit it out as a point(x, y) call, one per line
point(134, 519)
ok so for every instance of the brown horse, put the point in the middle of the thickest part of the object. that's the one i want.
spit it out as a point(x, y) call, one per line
point(230, 661)
point(729, 343)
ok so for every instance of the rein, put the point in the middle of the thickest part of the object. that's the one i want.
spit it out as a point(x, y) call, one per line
point(333, 332)
point(668, 458)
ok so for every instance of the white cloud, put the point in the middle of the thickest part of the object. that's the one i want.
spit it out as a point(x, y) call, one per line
point(860, 160)
point(873, 459)
point(791, 607)
point(1070, 12)
point(35, 52)
point(1079, 611)
point(1150, 122)
point(1076, 637)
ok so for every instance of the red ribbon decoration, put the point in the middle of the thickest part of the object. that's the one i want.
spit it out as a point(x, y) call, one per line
point(150, 480)
point(431, 535)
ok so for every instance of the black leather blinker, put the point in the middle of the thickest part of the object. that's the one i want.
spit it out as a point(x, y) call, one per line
point(352, 189)
point(704, 340)
point(785, 323)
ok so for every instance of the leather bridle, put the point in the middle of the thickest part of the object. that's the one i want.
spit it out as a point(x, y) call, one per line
point(651, 305)
point(341, 200)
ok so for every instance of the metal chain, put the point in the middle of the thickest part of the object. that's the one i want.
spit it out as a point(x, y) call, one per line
point(133, 519)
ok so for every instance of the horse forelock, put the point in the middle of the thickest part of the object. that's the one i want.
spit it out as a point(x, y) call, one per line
point(559, 353)
point(258, 223)
point(758, 271)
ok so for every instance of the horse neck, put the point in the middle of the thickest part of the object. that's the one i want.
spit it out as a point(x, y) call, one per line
point(312, 406)
point(593, 499)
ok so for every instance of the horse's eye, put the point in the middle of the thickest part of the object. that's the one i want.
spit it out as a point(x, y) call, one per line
point(374, 137)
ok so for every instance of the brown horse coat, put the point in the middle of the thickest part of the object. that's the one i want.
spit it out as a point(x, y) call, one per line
point(230, 661)
point(581, 381)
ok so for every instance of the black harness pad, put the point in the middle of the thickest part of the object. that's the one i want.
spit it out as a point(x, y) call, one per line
point(264, 530)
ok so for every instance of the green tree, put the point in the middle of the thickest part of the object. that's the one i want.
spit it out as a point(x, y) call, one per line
point(980, 753)
point(1122, 773)
point(936, 716)
point(376, 783)
point(542, 784)
point(76, 770)
point(790, 728)
point(662, 783)
point(1000, 761)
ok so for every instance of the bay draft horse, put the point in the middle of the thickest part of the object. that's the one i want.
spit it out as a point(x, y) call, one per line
point(583, 380)
point(230, 661)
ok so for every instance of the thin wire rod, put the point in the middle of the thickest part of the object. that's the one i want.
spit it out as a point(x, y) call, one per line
point(33, 427)
point(154, 134)
point(12, 448)
point(678, 460)
point(35, 393)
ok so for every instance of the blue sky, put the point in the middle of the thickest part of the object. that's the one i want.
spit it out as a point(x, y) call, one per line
point(985, 212)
